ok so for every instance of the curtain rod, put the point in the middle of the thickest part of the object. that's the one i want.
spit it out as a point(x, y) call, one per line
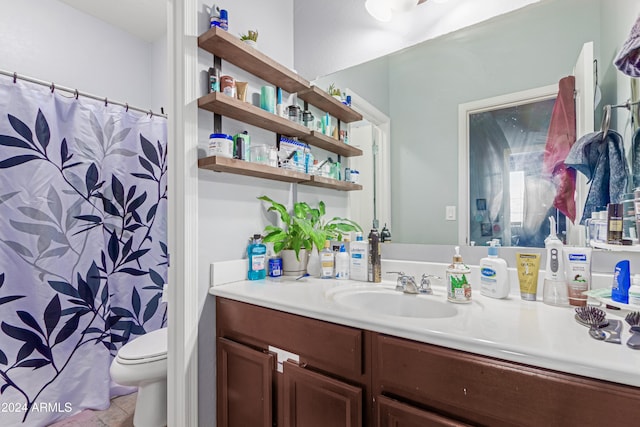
point(77, 93)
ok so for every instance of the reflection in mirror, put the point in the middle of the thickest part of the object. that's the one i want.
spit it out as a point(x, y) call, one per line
point(509, 195)
point(421, 88)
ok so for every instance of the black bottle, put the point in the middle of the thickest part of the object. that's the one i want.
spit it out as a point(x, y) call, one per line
point(374, 267)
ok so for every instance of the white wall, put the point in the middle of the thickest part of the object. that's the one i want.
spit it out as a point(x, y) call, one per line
point(229, 212)
point(332, 35)
point(51, 41)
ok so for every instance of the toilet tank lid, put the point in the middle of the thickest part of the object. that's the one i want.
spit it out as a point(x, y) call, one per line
point(145, 346)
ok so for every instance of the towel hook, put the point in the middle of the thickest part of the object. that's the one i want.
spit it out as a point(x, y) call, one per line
point(606, 121)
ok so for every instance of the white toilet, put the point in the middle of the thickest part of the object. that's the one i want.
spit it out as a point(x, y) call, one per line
point(143, 363)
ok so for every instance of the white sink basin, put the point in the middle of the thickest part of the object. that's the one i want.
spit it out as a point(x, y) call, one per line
point(394, 303)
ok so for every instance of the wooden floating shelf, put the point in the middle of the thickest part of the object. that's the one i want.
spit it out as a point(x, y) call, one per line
point(230, 48)
point(242, 167)
point(320, 181)
point(321, 99)
point(320, 140)
point(227, 106)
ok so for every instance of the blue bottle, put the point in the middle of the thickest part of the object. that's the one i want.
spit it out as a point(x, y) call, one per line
point(257, 254)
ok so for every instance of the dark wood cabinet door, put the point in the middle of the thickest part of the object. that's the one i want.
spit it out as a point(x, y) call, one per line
point(315, 400)
point(244, 385)
point(392, 413)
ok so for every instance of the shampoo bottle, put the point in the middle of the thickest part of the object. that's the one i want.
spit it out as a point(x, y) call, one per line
point(458, 286)
point(358, 259)
point(342, 264)
point(257, 254)
point(326, 261)
point(494, 277)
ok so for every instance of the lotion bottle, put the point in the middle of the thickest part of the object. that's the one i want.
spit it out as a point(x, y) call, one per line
point(494, 277)
point(359, 258)
point(342, 264)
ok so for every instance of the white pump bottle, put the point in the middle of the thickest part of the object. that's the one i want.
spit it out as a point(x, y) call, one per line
point(494, 276)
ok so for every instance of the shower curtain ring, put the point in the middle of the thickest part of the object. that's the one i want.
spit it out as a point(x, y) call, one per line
point(15, 77)
point(106, 101)
point(150, 113)
point(52, 87)
point(127, 107)
point(76, 94)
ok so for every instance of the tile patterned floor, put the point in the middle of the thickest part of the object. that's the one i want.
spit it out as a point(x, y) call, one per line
point(119, 414)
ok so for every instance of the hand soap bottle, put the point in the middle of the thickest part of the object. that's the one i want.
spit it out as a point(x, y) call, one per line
point(494, 277)
point(458, 287)
point(257, 254)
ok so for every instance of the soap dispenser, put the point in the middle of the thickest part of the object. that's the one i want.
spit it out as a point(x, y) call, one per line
point(458, 286)
point(494, 276)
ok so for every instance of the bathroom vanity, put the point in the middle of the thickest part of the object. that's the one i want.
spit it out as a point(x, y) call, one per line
point(494, 362)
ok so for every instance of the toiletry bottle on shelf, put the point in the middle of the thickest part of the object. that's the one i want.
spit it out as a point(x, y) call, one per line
point(214, 80)
point(374, 266)
point(342, 264)
point(634, 291)
point(614, 223)
point(385, 234)
point(279, 105)
point(458, 286)
point(359, 258)
point(257, 254)
point(494, 277)
point(326, 261)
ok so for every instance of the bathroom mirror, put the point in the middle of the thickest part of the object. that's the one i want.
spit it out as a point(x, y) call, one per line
point(424, 85)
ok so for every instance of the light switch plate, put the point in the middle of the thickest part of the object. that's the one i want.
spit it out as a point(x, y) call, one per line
point(450, 213)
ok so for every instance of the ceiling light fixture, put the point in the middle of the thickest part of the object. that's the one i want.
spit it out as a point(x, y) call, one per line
point(383, 10)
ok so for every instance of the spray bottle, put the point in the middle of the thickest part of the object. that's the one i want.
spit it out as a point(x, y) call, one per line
point(555, 286)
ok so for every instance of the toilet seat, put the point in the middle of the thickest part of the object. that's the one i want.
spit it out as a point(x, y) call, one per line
point(147, 348)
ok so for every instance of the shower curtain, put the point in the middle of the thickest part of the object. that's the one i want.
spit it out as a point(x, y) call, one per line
point(83, 254)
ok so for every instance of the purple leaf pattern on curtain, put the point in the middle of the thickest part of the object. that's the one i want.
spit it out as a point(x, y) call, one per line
point(83, 253)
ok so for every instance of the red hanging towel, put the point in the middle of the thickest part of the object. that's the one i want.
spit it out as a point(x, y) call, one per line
point(560, 138)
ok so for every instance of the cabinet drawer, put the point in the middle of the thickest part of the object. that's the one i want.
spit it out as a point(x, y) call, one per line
point(306, 337)
point(392, 413)
point(488, 391)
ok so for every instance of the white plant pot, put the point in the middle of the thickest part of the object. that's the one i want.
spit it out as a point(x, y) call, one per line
point(252, 43)
point(291, 266)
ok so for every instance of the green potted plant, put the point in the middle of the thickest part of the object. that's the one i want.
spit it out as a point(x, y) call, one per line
point(251, 38)
point(335, 92)
point(303, 228)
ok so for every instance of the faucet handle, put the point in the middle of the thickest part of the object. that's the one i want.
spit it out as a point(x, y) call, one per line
point(425, 283)
point(402, 279)
point(399, 273)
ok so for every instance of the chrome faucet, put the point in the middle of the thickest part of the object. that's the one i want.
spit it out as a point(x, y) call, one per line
point(405, 283)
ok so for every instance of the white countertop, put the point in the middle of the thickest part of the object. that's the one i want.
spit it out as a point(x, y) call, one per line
point(520, 331)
